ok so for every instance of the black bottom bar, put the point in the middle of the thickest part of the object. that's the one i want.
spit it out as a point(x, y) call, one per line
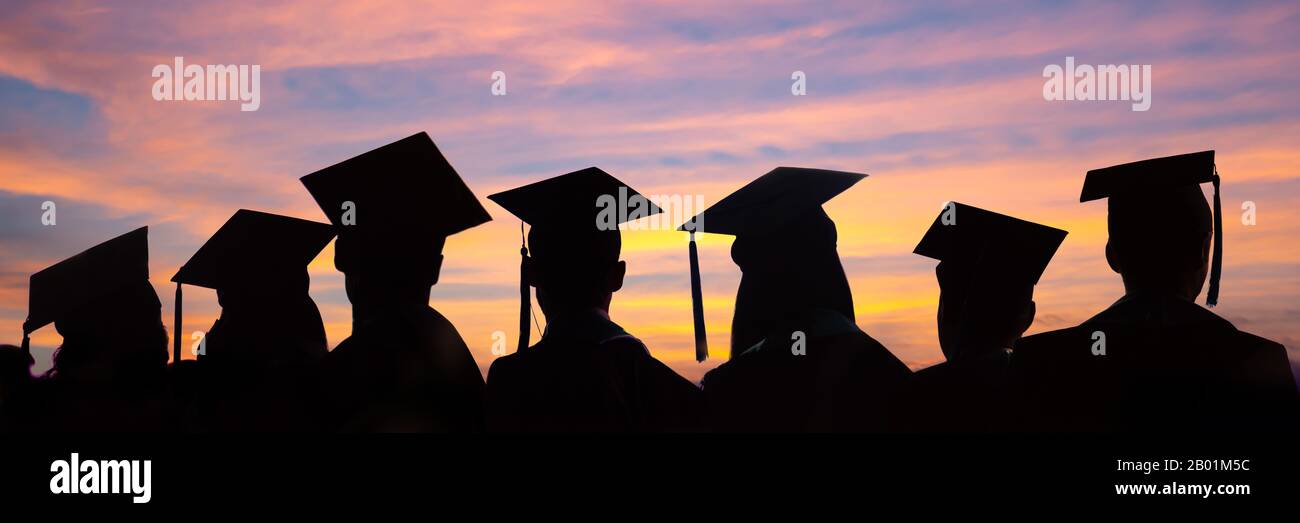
point(473, 472)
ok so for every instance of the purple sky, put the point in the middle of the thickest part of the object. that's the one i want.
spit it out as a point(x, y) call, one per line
point(936, 101)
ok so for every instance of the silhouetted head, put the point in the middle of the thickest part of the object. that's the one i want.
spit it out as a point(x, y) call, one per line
point(785, 247)
point(117, 338)
point(377, 283)
point(573, 247)
point(574, 271)
point(394, 208)
point(1161, 244)
point(102, 303)
point(988, 266)
point(979, 314)
point(267, 326)
point(786, 274)
point(257, 263)
point(1160, 223)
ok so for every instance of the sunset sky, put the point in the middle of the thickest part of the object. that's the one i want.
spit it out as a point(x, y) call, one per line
point(936, 101)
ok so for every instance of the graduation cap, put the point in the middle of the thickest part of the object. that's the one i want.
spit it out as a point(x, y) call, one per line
point(393, 197)
point(992, 246)
point(72, 284)
point(575, 205)
point(769, 205)
point(252, 249)
point(1162, 196)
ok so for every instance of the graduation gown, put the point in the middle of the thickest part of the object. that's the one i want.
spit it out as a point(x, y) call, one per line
point(15, 378)
point(967, 395)
point(587, 374)
point(256, 376)
point(1169, 364)
point(232, 397)
point(58, 404)
point(843, 382)
point(407, 370)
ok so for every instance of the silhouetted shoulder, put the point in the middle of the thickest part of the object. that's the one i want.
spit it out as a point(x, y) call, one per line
point(1106, 373)
point(1261, 345)
point(965, 396)
point(977, 370)
point(842, 380)
point(872, 354)
point(854, 350)
point(504, 365)
point(1265, 363)
point(670, 402)
point(626, 349)
point(1138, 328)
point(408, 371)
point(452, 354)
point(611, 385)
point(1072, 343)
point(424, 331)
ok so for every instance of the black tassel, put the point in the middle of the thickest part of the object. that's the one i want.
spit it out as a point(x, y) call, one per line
point(697, 304)
point(1216, 265)
point(525, 295)
point(176, 330)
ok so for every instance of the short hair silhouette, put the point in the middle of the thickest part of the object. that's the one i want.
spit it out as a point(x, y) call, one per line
point(1154, 360)
point(587, 373)
point(405, 367)
point(1159, 223)
point(572, 258)
point(988, 266)
point(390, 239)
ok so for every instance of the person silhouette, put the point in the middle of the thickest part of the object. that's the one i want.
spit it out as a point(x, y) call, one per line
point(15, 378)
point(405, 368)
point(798, 360)
point(259, 359)
point(109, 374)
point(1155, 360)
point(586, 374)
point(988, 266)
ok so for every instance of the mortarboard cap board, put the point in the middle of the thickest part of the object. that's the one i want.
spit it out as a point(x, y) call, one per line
point(575, 205)
point(769, 205)
point(74, 283)
point(570, 201)
point(1161, 196)
point(1149, 177)
point(252, 249)
point(406, 182)
point(990, 245)
point(403, 189)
